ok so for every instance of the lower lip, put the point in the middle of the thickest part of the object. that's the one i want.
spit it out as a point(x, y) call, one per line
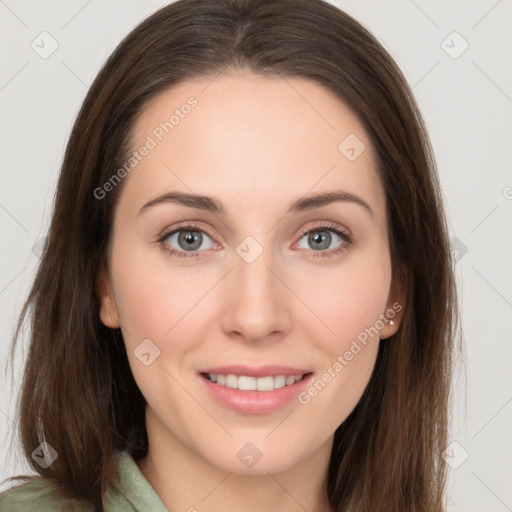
point(255, 402)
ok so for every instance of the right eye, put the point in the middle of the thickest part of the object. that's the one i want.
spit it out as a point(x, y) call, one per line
point(187, 240)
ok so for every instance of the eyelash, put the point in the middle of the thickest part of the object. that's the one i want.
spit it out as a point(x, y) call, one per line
point(347, 240)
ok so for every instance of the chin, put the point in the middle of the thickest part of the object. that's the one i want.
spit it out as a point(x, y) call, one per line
point(257, 457)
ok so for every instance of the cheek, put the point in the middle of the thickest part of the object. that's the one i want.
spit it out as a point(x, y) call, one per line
point(156, 302)
point(143, 311)
point(350, 302)
point(152, 297)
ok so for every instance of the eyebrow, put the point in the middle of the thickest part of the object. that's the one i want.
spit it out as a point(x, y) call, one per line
point(215, 206)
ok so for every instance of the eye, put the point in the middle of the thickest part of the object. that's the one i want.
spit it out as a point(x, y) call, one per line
point(185, 241)
point(188, 240)
point(319, 238)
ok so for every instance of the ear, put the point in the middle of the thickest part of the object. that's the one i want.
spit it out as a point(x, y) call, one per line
point(394, 308)
point(108, 308)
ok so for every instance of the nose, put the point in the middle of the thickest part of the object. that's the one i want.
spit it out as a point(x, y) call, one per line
point(258, 303)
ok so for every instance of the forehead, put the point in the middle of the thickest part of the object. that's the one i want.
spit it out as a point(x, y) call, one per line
point(247, 136)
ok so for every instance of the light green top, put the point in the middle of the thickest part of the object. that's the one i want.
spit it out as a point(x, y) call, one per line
point(133, 494)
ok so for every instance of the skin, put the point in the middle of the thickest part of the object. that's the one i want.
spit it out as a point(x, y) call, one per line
point(256, 144)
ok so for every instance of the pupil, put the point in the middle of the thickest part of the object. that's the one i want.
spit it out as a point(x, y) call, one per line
point(319, 237)
point(190, 240)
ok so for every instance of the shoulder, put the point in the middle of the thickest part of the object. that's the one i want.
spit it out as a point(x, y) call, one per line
point(41, 495)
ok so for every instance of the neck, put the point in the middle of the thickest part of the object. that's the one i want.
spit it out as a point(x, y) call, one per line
point(186, 482)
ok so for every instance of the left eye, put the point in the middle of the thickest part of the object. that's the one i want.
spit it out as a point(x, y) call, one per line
point(321, 239)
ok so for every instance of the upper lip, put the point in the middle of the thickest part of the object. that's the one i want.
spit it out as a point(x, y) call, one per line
point(270, 370)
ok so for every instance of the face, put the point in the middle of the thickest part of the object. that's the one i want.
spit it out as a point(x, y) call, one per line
point(281, 305)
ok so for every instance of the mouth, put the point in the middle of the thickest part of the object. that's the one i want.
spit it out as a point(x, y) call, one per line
point(254, 390)
point(248, 383)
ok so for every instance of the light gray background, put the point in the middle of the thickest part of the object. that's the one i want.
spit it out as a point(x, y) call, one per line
point(466, 102)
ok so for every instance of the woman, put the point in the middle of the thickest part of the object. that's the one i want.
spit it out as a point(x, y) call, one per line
point(192, 347)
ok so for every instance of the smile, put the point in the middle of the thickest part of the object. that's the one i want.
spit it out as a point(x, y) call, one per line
point(255, 390)
point(247, 383)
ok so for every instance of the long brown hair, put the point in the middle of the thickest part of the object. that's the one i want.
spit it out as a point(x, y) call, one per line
point(78, 393)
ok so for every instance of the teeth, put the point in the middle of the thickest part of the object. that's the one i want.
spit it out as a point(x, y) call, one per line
point(231, 381)
point(279, 381)
point(246, 383)
point(265, 384)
